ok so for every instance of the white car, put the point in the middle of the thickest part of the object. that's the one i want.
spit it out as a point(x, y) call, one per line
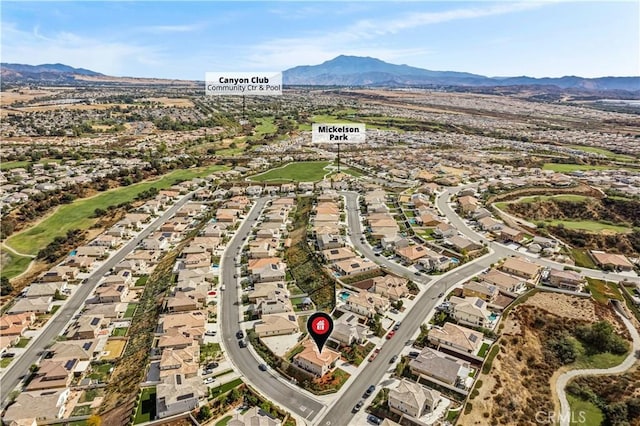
point(208, 380)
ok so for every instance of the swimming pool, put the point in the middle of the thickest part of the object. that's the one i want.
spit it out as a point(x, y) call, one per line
point(493, 316)
point(343, 295)
point(454, 260)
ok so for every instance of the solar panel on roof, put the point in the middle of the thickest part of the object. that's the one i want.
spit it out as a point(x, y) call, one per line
point(473, 338)
point(479, 303)
point(69, 364)
point(86, 346)
point(95, 321)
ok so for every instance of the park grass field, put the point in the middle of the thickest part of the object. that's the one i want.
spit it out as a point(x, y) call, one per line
point(568, 168)
point(79, 214)
point(307, 171)
point(586, 413)
point(561, 197)
point(605, 152)
point(8, 165)
point(13, 264)
point(588, 225)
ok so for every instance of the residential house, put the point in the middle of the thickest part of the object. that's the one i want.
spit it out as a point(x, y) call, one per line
point(616, 262)
point(16, 324)
point(470, 311)
point(40, 305)
point(329, 241)
point(367, 304)
point(316, 363)
point(348, 333)
point(504, 282)
point(481, 289)
point(456, 337)
point(277, 324)
point(273, 305)
point(49, 404)
point(412, 399)
point(112, 293)
point(87, 327)
point(337, 254)
point(390, 286)
point(355, 266)
point(462, 244)
point(444, 230)
point(253, 417)
point(568, 280)
point(490, 224)
point(52, 374)
point(183, 361)
point(440, 367)
point(48, 289)
point(521, 268)
point(509, 234)
point(468, 204)
point(411, 254)
point(178, 394)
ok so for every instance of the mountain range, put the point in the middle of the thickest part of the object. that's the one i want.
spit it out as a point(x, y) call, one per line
point(349, 71)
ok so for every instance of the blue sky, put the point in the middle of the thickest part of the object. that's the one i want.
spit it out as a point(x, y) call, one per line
point(186, 39)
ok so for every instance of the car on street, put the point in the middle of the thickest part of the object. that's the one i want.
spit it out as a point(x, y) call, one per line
point(393, 359)
point(369, 391)
point(374, 354)
point(262, 367)
point(397, 326)
point(390, 335)
point(242, 343)
point(358, 406)
point(441, 294)
point(239, 334)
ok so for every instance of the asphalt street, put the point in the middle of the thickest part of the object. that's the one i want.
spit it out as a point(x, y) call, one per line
point(56, 325)
point(288, 396)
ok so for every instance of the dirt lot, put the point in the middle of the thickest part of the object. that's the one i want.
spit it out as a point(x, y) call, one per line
point(519, 382)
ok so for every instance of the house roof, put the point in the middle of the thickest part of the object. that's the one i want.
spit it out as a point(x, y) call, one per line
point(521, 265)
point(457, 335)
point(311, 355)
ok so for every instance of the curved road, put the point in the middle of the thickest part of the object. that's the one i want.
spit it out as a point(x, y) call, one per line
point(59, 321)
point(565, 378)
point(288, 396)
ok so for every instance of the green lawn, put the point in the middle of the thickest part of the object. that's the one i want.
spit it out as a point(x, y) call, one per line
point(602, 291)
point(120, 331)
point(15, 264)
point(100, 372)
point(81, 410)
point(561, 197)
point(308, 171)
point(568, 168)
point(147, 408)
point(225, 388)
point(8, 165)
point(582, 258)
point(265, 126)
point(24, 341)
point(78, 215)
point(605, 152)
point(585, 413)
point(483, 349)
point(131, 309)
point(4, 362)
point(223, 421)
point(140, 282)
point(351, 171)
point(588, 225)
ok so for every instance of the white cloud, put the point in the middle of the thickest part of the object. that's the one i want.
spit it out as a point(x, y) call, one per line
point(359, 37)
point(108, 57)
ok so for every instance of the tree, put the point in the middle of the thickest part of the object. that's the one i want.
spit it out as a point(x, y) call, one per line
point(94, 420)
point(205, 413)
point(5, 286)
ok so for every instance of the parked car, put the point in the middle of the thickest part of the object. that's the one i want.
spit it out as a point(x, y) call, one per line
point(374, 420)
point(212, 365)
point(239, 334)
point(374, 354)
point(393, 359)
point(390, 335)
point(242, 343)
point(262, 367)
point(358, 406)
point(413, 354)
point(208, 380)
point(397, 326)
point(369, 391)
point(210, 333)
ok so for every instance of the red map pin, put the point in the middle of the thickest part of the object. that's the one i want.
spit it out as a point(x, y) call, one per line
point(320, 326)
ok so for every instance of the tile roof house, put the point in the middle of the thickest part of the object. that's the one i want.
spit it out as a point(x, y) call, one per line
point(41, 405)
point(52, 374)
point(482, 289)
point(253, 417)
point(390, 286)
point(441, 367)
point(183, 361)
point(611, 260)
point(277, 324)
point(521, 268)
point(316, 363)
point(470, 310)
point(16, 324)
point(504, 282)
point(355, 266)
point(39, 305)
point(456, 337)
point(412, 399)
point(177, 394)
point(568, 280)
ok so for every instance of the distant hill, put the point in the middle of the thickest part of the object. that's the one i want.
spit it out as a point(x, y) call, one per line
point(365, 71)
point(13, 73)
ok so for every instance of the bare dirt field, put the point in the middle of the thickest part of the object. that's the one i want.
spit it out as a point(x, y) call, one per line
point(518, 384)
